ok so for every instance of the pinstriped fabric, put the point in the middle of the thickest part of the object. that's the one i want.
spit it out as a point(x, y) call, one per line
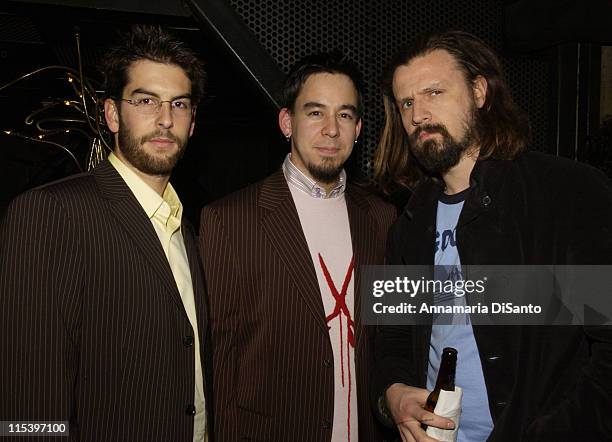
point(91, 316)
point(273, 372)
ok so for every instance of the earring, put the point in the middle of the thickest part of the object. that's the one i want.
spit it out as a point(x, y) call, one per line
point(288, 138)
point(355, 142)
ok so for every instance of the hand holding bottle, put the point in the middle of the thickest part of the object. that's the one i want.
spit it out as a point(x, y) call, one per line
point(406, 405)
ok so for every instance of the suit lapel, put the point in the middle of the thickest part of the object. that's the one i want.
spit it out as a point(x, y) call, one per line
point(197, 278)
point(363, 238)
point(281, 225)
point(131, 217)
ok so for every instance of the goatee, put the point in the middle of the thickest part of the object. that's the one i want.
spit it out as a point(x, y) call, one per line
point(325, 173)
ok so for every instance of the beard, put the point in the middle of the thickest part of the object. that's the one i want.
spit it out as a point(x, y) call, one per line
point(438, 157)
point(327, 172)
point(134, 152)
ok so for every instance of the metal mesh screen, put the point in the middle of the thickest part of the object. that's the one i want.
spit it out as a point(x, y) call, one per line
point(371, 31)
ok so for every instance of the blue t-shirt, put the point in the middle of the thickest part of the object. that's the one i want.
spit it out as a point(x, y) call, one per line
point(476, 423)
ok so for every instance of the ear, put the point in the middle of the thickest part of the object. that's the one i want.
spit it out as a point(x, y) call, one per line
point(284, 122)
point(111, 114)
point(358, 128)
point(479, 88)
point(192, 126)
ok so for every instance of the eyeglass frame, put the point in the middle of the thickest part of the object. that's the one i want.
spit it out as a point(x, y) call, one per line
point(158, 108)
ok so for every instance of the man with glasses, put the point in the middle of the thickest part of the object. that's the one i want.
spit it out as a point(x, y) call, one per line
point(103, 320)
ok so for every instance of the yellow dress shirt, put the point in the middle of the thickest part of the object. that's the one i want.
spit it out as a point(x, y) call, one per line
point(165, 214)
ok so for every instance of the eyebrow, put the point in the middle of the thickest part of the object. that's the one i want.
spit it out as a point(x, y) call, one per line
point(153, 94)
point(431, 87)
point(312, 104)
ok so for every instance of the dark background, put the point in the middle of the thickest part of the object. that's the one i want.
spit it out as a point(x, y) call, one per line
point(551, 53)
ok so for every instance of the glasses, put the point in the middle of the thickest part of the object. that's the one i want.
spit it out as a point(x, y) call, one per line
point(180, 107)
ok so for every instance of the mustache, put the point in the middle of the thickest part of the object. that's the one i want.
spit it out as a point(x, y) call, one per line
point(430, 128)
point(159, 134)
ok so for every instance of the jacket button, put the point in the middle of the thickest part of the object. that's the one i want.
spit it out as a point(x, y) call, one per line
point(327, 363)
point(485, 200)
point(326, 424)
point(190, 410)
point(188, 341)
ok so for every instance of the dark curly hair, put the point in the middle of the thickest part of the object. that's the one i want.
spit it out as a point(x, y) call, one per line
point(145, 42)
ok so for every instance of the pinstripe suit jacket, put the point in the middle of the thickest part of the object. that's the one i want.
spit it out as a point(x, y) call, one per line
point(92, 326)
point(273, 360)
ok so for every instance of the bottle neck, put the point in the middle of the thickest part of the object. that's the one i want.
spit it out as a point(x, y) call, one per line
point(446, 374)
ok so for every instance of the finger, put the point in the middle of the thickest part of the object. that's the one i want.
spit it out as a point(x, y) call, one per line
point(433, 420)
point(430, 419)
point(408, 420)
point(418, 434)
point(413, 413)
point(405, 434)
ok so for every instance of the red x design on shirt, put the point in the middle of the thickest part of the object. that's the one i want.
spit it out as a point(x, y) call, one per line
point(340, 310)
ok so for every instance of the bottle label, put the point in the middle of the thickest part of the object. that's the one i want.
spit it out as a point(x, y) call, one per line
point(449, 406)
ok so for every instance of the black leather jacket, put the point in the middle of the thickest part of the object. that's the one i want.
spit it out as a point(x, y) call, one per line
point(543, 383)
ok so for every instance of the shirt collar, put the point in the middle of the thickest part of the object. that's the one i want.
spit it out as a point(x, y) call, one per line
point(152, 203)
point(297, 178)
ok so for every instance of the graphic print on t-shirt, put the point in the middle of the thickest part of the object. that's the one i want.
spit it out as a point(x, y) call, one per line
point(475, 423)
point(327, 231)
point(341, 311)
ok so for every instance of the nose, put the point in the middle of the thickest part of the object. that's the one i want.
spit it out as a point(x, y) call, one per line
point(330, 127)
point(420, 113)
point(164, 116)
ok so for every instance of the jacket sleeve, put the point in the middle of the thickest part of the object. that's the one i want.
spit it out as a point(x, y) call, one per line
point(40, 279)
point(223, 291)
point(585, 411)
point(394, 358)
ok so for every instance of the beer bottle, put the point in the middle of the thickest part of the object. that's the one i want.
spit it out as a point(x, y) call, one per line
point(445, 380)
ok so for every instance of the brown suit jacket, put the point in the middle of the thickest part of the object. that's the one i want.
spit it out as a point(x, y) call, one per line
point(273, 361)
point(92, 326)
